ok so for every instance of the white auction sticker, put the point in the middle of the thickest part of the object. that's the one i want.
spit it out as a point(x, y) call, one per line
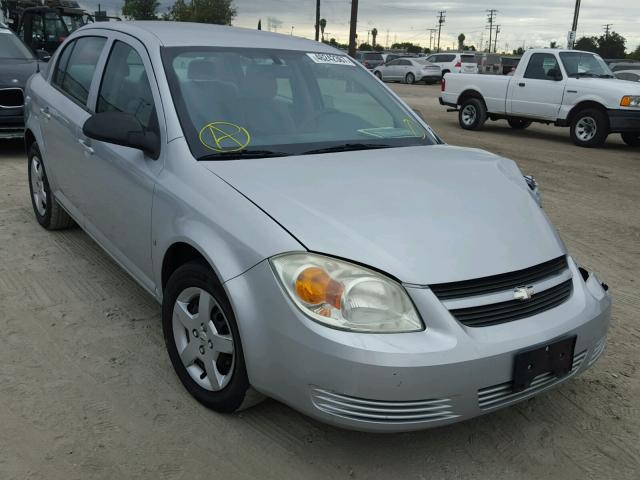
point(329, 58)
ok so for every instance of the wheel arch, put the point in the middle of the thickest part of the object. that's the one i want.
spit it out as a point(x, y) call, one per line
point(29, 138)
point(583, 106)
point(179, 253)
point(471, 93)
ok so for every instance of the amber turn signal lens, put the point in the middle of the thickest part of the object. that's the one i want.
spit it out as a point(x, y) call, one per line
point(314, 286)
point(625, 102)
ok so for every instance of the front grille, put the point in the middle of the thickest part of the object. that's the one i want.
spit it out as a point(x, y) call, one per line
point(504, 281)
point(502, 394)
point(496, 313)
point(11, 98)
point(380, 411)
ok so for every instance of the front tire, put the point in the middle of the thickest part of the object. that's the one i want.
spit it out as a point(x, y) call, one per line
point(379, 75)
point(519, 123)
point(410, 79)
point(631, 138)
point(472, 114)
point(202, 338)
point(47, 210)
point(589, 128)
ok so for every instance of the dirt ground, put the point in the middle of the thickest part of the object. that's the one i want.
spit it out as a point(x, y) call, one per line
point(87, 390)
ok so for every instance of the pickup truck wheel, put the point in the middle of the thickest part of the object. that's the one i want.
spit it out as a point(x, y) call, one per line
point(410, 79)
point(631, 138)
point(48, 212)
point(518, 123)
point(589, 128)
point(472, 114)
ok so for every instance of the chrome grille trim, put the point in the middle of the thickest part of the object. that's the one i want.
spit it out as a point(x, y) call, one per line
point(496, 396)
point(5, 97)
point(381, 411)
point(597, 350)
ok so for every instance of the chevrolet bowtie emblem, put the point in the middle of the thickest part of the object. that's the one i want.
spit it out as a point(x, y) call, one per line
point(523, 293)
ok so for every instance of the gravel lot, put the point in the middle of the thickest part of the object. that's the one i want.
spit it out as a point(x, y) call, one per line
point(87, 390)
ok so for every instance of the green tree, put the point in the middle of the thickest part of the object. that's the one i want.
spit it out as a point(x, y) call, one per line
point(461, 38)
point(612, 46)
point(587, 44)
point(365, 47)
point(408, 47)
point(323, 25)
point(140, 9)
point(220, 12)
point(553, 44)
point(374, 35)
point(636, 54)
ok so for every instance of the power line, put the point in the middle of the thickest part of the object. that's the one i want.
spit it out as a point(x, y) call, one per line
point(432, 32)
point(441, 20)
point(491, 16)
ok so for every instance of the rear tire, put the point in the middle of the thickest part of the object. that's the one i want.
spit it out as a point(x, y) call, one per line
point(410, 79)
point(379, 75)
point(206, 351)
point(47, 210)
point(631, 138)
point(519, 123)
point(472, 114)
point(589, 128)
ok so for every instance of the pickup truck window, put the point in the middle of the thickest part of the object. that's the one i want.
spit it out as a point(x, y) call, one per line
point(543, 66)
point(580, 64)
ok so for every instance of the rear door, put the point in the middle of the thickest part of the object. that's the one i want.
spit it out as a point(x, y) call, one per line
point(64, 111)
point(539, 92)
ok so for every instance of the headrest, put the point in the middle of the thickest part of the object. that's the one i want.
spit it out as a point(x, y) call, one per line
point(260, 81)
point(200, 70)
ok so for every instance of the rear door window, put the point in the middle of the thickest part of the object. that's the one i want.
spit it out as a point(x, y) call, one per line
point(468, 58)
point(76, 67)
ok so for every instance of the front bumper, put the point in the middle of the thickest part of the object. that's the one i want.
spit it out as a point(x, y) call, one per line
point(621, 121)
point(402, 382)
point(11, 123)
point(435, 77)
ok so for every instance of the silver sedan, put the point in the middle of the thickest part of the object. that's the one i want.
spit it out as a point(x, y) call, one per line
point(409, 70)
point(308, 236)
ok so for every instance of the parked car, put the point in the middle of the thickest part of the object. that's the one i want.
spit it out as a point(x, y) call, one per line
point(455, 62)
point(630, 75)
point(408, 70)
point(560, 87)
point(370, 59)
point(509, 64)
point(489, 63)
point(389, 57)
point(626, 71)
point(308, 236)
point(17, 64)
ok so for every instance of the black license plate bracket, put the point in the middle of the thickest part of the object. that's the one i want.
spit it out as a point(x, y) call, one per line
point(555, 358)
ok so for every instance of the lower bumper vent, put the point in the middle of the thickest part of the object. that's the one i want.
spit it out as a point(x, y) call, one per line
point(502, 394)
point(379, 411)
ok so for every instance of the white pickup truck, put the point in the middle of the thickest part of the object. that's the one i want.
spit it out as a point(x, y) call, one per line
point(560, 87)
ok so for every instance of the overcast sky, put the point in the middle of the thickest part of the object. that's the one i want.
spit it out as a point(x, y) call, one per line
point(528, 22)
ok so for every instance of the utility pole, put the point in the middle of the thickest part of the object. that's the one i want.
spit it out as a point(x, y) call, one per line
point(495, 48)
point(441, 15)
point(491, 17)
point(607, 28)
point(317, 20)
point(352, 28)
point(574, 26)
point(432, 32)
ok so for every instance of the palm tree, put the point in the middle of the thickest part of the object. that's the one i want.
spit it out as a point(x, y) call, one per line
point(461, 38)
point(374, 34)
point(323, 25)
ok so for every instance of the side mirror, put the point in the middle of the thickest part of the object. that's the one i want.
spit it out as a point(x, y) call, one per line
point(554, 74)
point(43, 55)
point(122, 129)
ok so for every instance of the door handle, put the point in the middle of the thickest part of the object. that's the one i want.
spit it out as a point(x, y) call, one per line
point(45, 112)
point(521, 84)
point(87, 148)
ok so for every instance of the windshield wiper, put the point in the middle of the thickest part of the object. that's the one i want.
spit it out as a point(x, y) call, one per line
point(244, 155)
point(606, 75)
point(585, 74)
point(347, 147)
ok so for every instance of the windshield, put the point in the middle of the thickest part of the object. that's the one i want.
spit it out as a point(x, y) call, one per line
point(580, 64)
point(280, 102)
point(11, 47)
point(73, 22)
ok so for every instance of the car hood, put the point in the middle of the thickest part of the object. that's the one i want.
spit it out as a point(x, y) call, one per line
point(14, 73)
point(425, 215)
point(610, 85)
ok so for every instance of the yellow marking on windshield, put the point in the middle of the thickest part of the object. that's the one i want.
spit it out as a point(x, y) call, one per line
point(224, 137)
point(412, 126)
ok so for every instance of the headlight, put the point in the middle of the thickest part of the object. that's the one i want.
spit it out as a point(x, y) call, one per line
point(345, 296)
point(630, 101)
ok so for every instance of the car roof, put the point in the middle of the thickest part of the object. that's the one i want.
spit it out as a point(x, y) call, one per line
point(183, 34)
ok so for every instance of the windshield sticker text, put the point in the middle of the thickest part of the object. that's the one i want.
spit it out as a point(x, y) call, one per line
point(328, 58)
point(224, 137)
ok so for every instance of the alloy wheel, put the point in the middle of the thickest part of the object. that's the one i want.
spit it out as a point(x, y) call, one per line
point(203, 339)
point(37, 186)
point(586, 129)
point(469, 115)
